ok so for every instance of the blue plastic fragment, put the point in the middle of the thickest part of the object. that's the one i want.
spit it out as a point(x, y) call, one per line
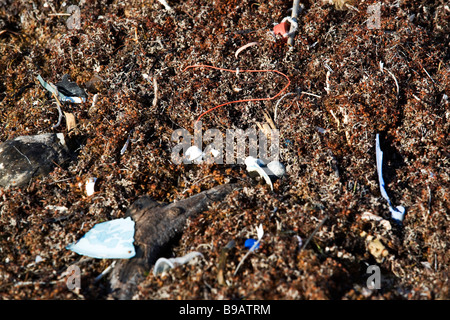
point(249, 243)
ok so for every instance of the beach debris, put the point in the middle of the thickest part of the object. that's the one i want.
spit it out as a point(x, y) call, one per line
point(251, 244)
point(107, 240)
point(260, 233)
point(25, 157)
point(243, 100)
point(297, 8)
point(194, 154)
point(368, 216)
point(71, 91)
point(125, 146)
point(275, 169)
point(105, 272)
point(223, 262)
point(70, 121)
point(398, 212)
point(64, 90)
point(245, 47)
point(157, 224)
point(377, 250)
point(163, 264)
point(256, 165)
point(60, 209)
point(300, 241)
point(165, 4)
point(90, 186)
point(281, 29)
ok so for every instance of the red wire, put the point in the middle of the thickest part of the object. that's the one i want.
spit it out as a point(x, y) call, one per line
point(244, 100)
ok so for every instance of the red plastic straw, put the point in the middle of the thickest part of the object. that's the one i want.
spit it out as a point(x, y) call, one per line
point(244, 100)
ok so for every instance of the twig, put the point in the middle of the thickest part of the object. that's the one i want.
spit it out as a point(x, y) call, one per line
point(22, 154)
point(278, 102)
point(101, 275)
point(155, 90)
point(396, 83)
point(311, 94)
point(246, 255)
point(295, 11)
point(314, 232)
point(59, 111)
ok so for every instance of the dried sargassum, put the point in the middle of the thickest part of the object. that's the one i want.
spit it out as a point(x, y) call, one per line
point(163, 264)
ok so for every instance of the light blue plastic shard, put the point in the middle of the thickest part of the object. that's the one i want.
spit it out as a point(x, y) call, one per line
point(108, 240)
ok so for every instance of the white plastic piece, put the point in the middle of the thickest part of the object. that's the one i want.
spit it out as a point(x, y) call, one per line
point(398, 212)
point(254, 164)
point(163, 264)
point(194, 154)
point(108, 240)
point(276, 168)
point(244, 47)
point(90, 185)
point(165, 4)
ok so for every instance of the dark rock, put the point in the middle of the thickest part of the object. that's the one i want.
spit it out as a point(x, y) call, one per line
point(70, 89)
point(155, 226)
point(25, 157)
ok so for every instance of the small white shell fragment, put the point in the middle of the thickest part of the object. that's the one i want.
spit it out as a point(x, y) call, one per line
point(277, 168)
point(163, 264)
point(370, 216)
point(38, 259)
point(254, 164)
point(108, 240)
point(194, 153)
point(61, 209)
point(90, 184)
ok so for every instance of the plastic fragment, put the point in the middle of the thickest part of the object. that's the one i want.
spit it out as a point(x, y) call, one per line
point(90, 186)
point(276, 168)
point(252, 244)
point(71, 90)
point(64, 87)
point(108, 240)
point(281, 29)
point(163, 264)
point(245, 47)
point(398, 212)
point(194, 154)
point(256, 165)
